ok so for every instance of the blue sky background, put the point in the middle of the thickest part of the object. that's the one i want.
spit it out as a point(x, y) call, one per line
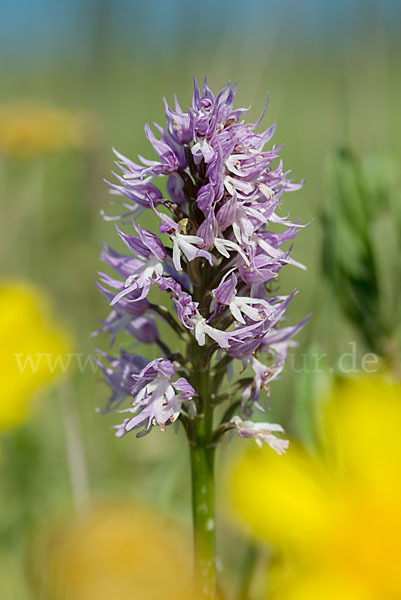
point(29, 28)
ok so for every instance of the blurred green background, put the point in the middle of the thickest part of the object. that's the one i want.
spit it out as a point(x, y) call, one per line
point(334, 78)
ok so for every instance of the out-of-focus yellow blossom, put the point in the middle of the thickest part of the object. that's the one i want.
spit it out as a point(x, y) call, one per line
point(117, 552)
point(334, 516)
point(32, 348)
point(29, 129)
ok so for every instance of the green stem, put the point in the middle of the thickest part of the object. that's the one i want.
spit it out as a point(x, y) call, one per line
point(202, 460)
point(202, 473)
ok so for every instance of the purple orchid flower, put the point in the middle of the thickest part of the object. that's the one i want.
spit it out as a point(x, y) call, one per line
point(216, 255)
point(261, 433)
point(157, 399)
point(118, 373)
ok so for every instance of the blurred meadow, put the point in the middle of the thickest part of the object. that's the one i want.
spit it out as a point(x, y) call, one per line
point(78, 79)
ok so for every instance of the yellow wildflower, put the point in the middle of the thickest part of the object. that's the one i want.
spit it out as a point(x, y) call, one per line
point(334, 515)
point(30, 347)
point(30, 129)
point(118, 551)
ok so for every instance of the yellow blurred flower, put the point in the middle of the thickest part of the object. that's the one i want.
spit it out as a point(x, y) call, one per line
point(117, 552)
point(31, 345)
point(334, 516)
point(30, 129)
